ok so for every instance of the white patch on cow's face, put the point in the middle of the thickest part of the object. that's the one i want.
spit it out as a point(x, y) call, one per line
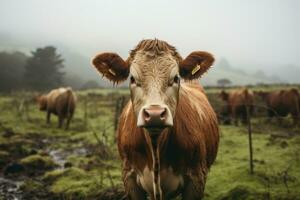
point(154, 80)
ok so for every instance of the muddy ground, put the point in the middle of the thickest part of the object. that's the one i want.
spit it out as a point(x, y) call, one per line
point(40, 161)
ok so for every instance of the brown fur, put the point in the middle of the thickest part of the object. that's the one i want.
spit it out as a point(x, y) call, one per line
point(118, 70)
point(190, 147)
point(114, 68)
point(60, 102)
point(170, 161)
point(203, 59)
point(158, 46)
point(237, 102)
point(283, 102)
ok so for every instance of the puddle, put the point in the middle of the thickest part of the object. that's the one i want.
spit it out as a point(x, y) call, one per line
point(9, 189)
point(59, 156)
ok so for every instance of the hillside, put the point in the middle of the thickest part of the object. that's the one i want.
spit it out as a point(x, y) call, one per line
point(79, 70)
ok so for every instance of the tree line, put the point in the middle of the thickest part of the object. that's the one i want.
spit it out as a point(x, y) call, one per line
point(42, 70)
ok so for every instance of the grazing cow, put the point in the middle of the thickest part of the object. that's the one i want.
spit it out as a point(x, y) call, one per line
point(223, 114)
point(236, 104)
point(283, 102)
point(168, 132)
point(60, 102)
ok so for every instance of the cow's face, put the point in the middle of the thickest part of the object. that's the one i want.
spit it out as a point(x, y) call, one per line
point(154, 86)
point(154, 81)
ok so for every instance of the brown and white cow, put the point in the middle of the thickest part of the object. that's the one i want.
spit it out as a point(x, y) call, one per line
point(60, 102)
point(168, 132)
point(281, 103)
point(237, 102)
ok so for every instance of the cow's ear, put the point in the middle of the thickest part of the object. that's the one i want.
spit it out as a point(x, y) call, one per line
point(195, 65)
point(112, 66)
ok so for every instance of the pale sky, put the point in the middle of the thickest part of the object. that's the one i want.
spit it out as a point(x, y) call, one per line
point(260, 33)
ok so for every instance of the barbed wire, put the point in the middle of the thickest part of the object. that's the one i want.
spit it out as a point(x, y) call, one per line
point(258, 106)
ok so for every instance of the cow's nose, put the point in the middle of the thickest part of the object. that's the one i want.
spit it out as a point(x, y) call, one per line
point(155, 116)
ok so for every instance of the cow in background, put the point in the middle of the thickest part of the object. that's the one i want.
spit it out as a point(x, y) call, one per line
point(281, 103)
point(60, 102)
point(237, 103)
point(168, 132)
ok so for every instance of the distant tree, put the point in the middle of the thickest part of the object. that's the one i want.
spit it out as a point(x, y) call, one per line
point(11, 70)
point(43, 69)
point(223, 82)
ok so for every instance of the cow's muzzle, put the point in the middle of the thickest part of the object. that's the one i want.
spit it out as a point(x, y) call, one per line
point(155, 116)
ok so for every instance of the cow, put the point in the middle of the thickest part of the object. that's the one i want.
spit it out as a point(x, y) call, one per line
point(223, 114)
point(237, 103)
point(60, 102)
point(281, 103)
point(168, 132)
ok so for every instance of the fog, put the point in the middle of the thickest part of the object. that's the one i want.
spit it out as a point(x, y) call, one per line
point(251, 35)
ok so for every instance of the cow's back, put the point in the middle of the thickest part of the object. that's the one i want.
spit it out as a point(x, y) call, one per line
point(241, 97)
point(61, 100)
point(238, 99)
point(276, 102)
point(290, 100)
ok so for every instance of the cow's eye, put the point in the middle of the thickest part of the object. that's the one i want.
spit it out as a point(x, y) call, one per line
point(132, 80)
point(176, 79)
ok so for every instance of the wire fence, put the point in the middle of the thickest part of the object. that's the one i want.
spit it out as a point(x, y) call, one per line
point(22, 104)
point(249, 126)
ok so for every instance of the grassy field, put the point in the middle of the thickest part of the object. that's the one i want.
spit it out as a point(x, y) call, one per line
point(39, 161)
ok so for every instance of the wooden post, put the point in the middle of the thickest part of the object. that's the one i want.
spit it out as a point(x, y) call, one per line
point(85, 112)
point(250, 139)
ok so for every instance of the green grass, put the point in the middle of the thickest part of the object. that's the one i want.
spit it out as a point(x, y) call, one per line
point(91, 172)
point(277, 161)
point(231, 169)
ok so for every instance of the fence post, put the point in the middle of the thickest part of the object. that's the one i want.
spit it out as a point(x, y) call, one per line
point(250, 138)
point(85, 112)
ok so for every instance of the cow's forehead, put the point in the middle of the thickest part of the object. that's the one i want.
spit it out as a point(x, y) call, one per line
point(146, 64)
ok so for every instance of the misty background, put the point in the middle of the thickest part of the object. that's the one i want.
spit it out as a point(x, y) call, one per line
point(253, 41)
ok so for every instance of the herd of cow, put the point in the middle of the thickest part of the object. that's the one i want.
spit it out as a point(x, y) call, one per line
point(241, 103)
point(168, 133)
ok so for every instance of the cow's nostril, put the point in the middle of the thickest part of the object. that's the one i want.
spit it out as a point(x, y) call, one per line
point(163, 114)
point(146, 115)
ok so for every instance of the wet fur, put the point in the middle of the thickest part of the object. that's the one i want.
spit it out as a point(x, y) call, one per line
point(60, 102)
point(190, 147)
point(283, 102)
point(236, 104)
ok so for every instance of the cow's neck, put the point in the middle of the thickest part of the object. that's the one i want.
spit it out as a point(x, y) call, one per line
point(154, 146)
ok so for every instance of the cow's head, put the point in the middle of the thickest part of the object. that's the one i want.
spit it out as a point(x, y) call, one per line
point(154, 69)
point(42, 102)
point(224, 95)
